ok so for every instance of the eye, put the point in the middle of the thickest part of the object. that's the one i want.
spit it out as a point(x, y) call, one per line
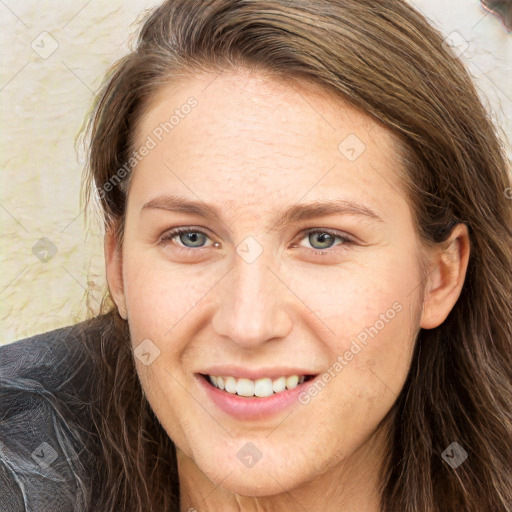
point(189, 238)
point(322, 239)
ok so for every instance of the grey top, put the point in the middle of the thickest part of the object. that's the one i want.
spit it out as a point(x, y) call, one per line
point(43, 421)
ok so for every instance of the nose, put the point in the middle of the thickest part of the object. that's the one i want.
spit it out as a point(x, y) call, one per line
point(253, 304)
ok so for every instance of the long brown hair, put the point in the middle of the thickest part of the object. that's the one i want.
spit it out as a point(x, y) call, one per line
point(385, 58)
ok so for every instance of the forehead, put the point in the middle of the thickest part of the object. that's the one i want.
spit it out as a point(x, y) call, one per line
point(246, 135)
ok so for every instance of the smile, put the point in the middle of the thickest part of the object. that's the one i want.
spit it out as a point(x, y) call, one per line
point(262, 388)
point(250, 406)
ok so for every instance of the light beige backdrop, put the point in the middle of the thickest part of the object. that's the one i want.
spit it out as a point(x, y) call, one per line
point(54, 54)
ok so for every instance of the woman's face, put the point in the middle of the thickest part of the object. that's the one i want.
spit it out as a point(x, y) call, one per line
point(263, 285)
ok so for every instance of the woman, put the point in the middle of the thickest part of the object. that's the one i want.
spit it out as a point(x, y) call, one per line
point(308, 252)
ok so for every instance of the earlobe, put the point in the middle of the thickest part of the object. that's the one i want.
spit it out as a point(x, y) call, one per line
point(114, 271)
point(446, 277)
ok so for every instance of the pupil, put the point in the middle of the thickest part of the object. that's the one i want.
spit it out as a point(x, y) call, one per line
point(321, 238)
point(191, 236)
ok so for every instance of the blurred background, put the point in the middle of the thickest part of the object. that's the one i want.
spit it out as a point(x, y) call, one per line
point(54, 55)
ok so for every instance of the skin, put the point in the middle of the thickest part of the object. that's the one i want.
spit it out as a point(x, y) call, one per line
point(252, 146)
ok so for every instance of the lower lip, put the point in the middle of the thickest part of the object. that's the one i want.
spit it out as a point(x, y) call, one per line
point(250, 408)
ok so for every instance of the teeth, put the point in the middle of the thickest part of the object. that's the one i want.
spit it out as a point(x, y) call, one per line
point(263, 387)
point(279, 384)
point(292, 381)
point(245, 387)
point(260, 388)
point(229, 385)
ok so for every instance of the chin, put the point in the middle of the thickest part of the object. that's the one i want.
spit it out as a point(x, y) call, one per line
point(268, 477)
point(248, 482)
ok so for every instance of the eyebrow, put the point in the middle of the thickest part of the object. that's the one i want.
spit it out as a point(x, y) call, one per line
point(289, 215)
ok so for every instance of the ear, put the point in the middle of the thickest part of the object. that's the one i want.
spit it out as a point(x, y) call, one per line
point(446, 277)
point(114, 271)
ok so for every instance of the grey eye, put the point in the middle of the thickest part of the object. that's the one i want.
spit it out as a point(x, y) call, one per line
point(195, 238)
point(325, 240)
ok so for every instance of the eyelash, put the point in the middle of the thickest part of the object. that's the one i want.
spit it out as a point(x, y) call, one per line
point(167, 237)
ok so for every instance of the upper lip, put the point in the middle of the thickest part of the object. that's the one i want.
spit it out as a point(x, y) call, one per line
point(256, 373)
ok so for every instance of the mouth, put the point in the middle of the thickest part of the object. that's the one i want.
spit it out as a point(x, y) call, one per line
point(260, 388)
point(254, 399)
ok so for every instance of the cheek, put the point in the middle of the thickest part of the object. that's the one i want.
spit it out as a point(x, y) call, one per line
point(366, 317)
point(357, 299)
point(160, 294)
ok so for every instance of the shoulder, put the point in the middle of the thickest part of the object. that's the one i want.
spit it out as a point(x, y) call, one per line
point(44, 420)
point(48, 369)
point(38, 354)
